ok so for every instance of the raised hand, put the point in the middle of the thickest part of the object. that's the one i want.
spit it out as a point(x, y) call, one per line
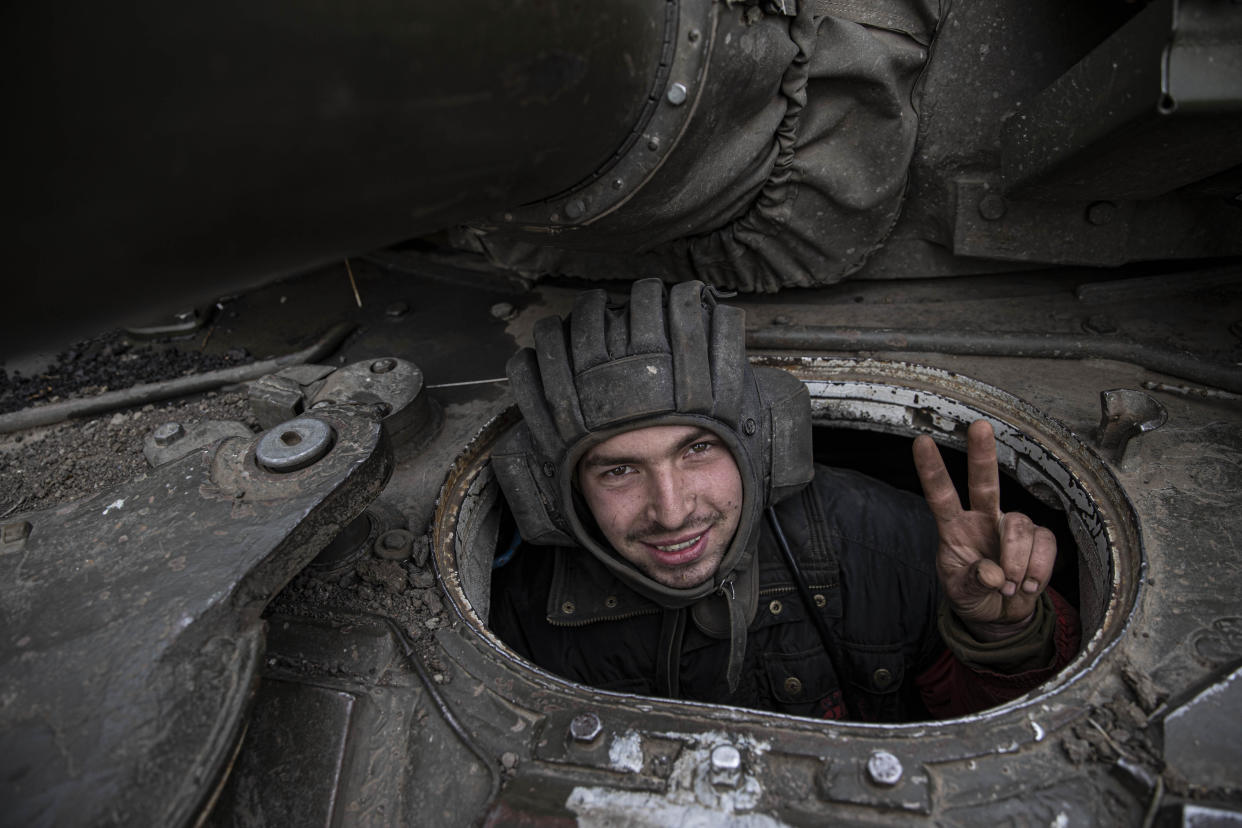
point(993, 566)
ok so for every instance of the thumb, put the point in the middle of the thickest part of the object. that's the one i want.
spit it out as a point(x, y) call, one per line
point(987, 575)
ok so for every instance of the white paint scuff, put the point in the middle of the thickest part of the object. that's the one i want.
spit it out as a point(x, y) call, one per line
point(626, 752)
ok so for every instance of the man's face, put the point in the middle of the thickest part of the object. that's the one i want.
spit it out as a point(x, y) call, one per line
point(667, 498)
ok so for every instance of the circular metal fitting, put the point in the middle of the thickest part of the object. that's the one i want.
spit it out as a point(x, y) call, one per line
point(294, 445)
point(1100, 213)
point(168, 433)
point(992, 207)
point(883, 768)
point(677, 94)
point(395, 544)
point(585, 727)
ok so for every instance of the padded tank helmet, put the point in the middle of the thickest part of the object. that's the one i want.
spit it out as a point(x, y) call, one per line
point(664, 358)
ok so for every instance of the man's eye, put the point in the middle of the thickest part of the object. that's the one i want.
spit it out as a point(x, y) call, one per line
point(618, 471)
point(700, 447)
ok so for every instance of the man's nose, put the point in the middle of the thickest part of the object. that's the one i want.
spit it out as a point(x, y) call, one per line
point(671, 500)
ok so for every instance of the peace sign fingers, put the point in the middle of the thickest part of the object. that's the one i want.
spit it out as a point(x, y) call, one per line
point(938, 487)
point(983, 474)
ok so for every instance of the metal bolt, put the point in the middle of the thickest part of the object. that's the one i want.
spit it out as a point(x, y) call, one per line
point(726, 766)
point(677, 94)
point(1126, 413)
point(693, 35)
point(884, 768)
point(168, 433)
point(383, 366)
point(617, 183)
point(1100, 213)
point(395, 544)
point(575, 209)
point(585, 727)
point(503, 311)
point(653, 143)
point(992, 207)
point(397, 309)
point(294, 445)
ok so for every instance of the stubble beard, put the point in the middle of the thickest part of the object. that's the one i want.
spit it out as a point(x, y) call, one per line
point(677, 576)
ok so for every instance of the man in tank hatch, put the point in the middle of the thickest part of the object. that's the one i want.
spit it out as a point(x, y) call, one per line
point(678, 540)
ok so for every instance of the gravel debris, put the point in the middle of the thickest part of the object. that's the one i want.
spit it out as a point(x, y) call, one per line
point(109, 363)
point(51, 465)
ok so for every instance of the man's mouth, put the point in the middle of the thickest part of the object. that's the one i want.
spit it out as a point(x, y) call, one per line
point(678, 553)
point(677, 547)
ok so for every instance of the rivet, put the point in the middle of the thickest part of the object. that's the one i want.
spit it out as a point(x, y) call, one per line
point(653, 143)
point(1100, 213)
point(693, 35)
point(775, 607)
point(617, 183)
point(549, 470)
point(575, 209)
point(383, 366)
point(611, 602)
point(676, 94)
point(585, 727)
point(992, 207)
point(884, 768)
point(793, 686)
point(882, 678)
point(568, 607)
point(750, 427)
point(820, 600)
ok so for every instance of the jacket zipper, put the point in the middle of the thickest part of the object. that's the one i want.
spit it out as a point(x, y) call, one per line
point(622, 617)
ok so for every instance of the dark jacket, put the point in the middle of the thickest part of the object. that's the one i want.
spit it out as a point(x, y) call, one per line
point(868, 553)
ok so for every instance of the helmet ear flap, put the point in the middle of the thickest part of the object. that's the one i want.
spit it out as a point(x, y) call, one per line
point(788, 456)
point(529, 489)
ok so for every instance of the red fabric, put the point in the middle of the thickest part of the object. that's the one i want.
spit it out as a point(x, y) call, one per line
point(950, 688)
